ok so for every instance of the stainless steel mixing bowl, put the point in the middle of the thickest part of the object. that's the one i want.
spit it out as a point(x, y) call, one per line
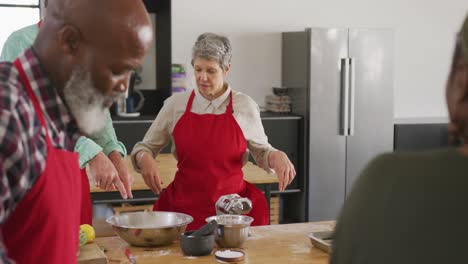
point(232, 230)
point(149, 229)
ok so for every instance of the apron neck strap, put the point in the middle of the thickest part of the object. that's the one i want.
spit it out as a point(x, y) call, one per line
point(32, 96)
point(190, 101)
point(229, 106)
point(192, 96)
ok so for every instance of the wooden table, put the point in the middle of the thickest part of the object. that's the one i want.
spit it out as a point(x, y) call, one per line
point(266, 244)
point(168, 168)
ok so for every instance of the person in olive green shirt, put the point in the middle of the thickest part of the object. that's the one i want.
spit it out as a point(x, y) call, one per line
point(102, 152)
point(411, 207)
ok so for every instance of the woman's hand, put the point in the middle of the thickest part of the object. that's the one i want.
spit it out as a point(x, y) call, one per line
point(150, 171)
point(283, 167)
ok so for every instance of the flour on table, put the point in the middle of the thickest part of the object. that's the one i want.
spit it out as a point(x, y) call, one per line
point(229, 254)
point(158, 253)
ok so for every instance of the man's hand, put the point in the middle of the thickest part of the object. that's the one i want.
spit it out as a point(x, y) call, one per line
point(283, 167)
point(105, 174)
point(150, 171)
point(122, 169)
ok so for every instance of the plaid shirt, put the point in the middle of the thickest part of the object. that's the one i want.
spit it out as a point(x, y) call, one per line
point(22, 138)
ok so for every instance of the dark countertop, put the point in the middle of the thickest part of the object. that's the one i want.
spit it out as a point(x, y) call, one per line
point(139, 118)
point(271, 115)
point(421, 120)
point(150, 118)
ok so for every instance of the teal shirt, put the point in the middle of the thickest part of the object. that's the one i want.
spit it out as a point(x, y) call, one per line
point(105, 140)
point(18, 41)
point(406, 208)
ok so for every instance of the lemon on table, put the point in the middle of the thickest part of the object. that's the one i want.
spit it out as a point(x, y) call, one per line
point(89, 231)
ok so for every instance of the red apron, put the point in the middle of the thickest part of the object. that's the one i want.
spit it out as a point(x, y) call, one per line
point(209, 151)
point(44, 226)
point(86, 204)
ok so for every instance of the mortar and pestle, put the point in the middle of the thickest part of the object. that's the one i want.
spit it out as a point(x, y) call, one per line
point(199, 242)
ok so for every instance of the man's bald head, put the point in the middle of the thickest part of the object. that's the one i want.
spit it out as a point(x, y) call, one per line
point(98, 20)
point(105, 38)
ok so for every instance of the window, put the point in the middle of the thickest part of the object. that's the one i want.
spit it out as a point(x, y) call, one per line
point(19, 2)
point(16, 14)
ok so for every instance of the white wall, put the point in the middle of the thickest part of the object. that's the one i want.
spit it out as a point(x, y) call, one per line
point(424, 38)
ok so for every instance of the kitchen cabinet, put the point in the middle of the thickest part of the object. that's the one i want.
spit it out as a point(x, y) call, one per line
point(341, 81)
point(285, 133)
point(421, 134)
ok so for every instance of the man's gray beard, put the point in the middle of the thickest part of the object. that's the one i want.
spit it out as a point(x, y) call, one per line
point(85, 102)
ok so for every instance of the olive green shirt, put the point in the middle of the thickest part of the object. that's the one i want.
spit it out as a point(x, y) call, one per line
point(105, 140)
point(406, 208)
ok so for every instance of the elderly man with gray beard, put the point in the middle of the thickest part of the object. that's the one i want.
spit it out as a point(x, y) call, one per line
point(55, 91)
point(101, 155)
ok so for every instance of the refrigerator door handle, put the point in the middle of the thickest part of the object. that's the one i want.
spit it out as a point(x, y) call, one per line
point(352, 91)
point(344, 102)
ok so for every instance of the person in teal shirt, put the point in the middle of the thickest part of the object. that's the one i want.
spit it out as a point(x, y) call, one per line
point(18, 41)
point(102, 152)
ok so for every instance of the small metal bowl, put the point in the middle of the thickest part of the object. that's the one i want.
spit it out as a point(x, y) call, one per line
point(149, 229)
point(280, 91)
point(232, 230)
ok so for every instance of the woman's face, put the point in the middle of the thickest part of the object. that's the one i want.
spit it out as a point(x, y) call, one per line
point(209, 77)
point(457, 93)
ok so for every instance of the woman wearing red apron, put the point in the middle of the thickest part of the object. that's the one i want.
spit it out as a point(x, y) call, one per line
point(52, 206)
point(213, 130)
